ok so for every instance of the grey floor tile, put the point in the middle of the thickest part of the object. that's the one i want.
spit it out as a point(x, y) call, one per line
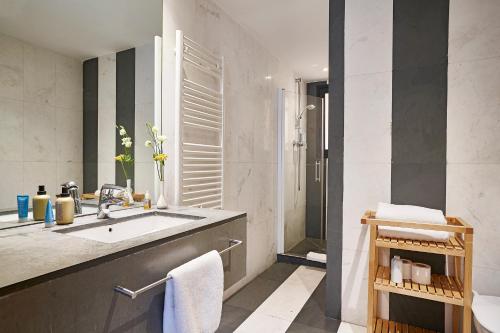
point(313, 312)
point(279, 272)
point(301, 328)
point(253, 294)
point(232, 317)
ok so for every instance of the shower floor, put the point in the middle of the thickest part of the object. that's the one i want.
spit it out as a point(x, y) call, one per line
point(308, 245)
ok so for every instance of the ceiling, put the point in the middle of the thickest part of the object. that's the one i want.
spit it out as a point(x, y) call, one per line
point(82, 29)
point(295, 31)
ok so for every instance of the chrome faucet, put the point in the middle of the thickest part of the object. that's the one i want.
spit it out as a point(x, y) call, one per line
point(75, 194)
point(110, 195)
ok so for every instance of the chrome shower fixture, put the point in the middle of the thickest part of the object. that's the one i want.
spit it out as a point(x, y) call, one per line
point(309, 107)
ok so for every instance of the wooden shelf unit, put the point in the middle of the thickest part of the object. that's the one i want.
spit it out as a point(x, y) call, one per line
point(455, 290)
point(389, 326)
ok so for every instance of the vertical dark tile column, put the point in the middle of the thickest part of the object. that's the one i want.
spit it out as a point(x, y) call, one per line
point(125, 106)
point(419, 95)
point(335, 159)
point(90, 84)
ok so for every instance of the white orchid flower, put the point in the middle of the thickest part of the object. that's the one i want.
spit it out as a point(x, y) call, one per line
point(123, 131)
point(154, 129)
point(148, 143)
point(128, 144)
point(162, 138)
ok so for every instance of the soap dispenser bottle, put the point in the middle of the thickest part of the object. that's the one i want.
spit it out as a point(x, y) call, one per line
point(40, 203)
point(65, 207)
point(397, 270)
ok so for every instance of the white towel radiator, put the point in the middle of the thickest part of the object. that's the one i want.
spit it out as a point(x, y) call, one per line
point(199, 117)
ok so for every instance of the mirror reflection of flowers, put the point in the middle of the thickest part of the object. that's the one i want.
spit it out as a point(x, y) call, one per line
point(156, 143)
point(125, 158)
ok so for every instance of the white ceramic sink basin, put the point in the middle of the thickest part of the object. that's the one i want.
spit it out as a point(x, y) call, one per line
point(116, 230)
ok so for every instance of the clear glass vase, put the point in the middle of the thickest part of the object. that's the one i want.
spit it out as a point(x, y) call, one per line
point(130, 192)
point(161, 203)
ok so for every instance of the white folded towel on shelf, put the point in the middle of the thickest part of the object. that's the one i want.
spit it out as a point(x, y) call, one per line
point(387, 211)
point(193, 296)
point(409, 213)
point(315, 256)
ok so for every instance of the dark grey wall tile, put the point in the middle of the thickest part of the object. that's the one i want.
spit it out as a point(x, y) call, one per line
point(335, 188)
point(90, 110)
point(419, 184)
point(420, 33)
point(125, 106)
point(419, 118)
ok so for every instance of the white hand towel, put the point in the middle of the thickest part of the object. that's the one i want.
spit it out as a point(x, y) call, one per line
point(316, 256)
point(193, 296)
point(387, 211)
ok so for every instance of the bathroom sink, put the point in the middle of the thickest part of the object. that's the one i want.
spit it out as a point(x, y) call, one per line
point(115, 230)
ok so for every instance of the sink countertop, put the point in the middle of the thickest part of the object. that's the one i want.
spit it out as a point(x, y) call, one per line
point(33, 254)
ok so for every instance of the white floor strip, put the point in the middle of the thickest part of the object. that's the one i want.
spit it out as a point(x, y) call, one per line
point(279, 310)
point(350, 328)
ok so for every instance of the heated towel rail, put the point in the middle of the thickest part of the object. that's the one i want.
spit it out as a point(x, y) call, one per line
point(133, 294)
point(199, 125)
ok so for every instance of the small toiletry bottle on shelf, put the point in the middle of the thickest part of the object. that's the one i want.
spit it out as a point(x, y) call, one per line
point(22, 207)
point(39, 203)
point(397, 270)
point(147, 201)
point(49, 215)
point(65, 207)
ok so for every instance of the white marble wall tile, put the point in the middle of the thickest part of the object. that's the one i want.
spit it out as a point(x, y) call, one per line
point(11, 130)
point(33, 132)
point(69, 135)
point(39, 140)
point(69, 83)
point(40, 173)
point(11, 67)
point(368, 117)
point(354, 286)
point(368, 36)
point(105, 173)
point(67, 171)
point(145, 174)
point(39, 75)
point(106, 118)
point(474, 112)
point(144, 113)
point(473, 191)
point(144, 73)
point(474, 30)
point(485, 281)
point(12, 185)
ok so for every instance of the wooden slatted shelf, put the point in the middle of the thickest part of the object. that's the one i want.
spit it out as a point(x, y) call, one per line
point(446, 289)
point(453, 247)
point(389, 326)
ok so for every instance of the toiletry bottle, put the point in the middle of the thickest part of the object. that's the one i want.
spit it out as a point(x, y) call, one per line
point(39, 203)
point(22, 207)
point(65, 207)
point(49, 215)
point(397, 270)
point(147, 201)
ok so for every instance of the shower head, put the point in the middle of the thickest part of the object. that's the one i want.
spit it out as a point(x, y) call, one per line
point(309, 107)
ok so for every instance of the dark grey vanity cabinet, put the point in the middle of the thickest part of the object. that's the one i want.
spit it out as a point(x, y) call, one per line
point(82, 299)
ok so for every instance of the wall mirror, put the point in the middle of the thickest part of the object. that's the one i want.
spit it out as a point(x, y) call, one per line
point(70, 72)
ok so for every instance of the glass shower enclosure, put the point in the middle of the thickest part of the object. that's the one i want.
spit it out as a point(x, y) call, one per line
point(301, 174)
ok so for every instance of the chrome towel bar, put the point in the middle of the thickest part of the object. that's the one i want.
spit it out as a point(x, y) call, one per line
point(133, 294)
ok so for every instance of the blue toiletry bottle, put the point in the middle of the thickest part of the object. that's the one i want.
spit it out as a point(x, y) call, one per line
point(22, 207)
point(49, 215)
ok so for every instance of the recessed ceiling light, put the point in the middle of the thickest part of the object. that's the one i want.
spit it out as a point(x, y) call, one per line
point(268, 77)
point(325, 69)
